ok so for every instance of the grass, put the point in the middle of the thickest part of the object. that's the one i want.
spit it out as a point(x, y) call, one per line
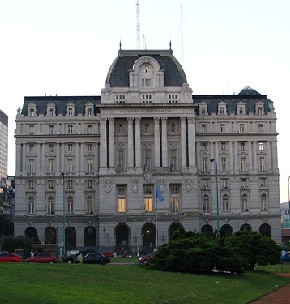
point(77, 283)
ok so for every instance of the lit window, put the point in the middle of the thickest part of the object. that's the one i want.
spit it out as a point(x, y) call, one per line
point(175, 198)
point(261, 146)
point(121, 199)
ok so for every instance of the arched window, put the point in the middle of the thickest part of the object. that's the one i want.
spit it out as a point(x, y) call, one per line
point(265, 229)
point(225, 202)
point(264, 202)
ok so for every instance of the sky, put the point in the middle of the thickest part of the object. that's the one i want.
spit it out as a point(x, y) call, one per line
point(65, 47)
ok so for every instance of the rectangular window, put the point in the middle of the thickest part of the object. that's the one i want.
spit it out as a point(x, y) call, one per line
point(223, 164)
point(50, 206)
point(243, 164)
point(243, 146)
point(90, 148)
point(261, 146)
point(223, 146)
point(148, 198)
point(203, 128)
point(175, 198)
point(121, 199)
point(70, 129)
point(260, 128)
point(51, 148)
point(262, 166)
point(50, 166)
point(90, 204)
point(30, 205)
point(51, 129)
point(70, 165)
point(242, 128)
point(173, 159)
point(31, 185)
point(90, 166)
point(31, 169)
point(147, 159)
point(89, 184)
point(121, 157)
point(90, 129)
point(224, 183)
point(263, 182)
point(70, 205)
point(204, 167)
point(70, 184)
point(51, 185)
point(222, 128)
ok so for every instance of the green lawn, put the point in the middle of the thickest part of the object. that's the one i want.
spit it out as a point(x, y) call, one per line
point(76, 283)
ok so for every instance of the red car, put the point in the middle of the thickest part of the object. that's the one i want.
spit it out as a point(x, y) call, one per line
point(10, 257)
point(42, 258)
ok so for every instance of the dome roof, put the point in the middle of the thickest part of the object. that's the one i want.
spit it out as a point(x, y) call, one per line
point(248, 91)
point(118, 75)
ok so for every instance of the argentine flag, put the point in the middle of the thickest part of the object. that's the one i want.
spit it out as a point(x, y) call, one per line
point(159, 195)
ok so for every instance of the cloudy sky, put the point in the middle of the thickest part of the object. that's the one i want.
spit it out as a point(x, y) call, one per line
point(65, 47)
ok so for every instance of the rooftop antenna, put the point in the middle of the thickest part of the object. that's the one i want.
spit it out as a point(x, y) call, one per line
point(144, 42)
point(137, 25)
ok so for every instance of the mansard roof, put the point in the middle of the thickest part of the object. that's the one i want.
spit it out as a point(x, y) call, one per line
point(118, 75)
point(60, 103)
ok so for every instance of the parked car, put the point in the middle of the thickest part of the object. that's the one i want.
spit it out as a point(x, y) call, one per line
point(144, 259)
point(95, 258)
point(42, 258)
point(10, 257)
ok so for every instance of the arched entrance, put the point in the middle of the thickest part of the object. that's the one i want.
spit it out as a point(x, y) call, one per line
point(70, 238)
point(122, 237)
point(172, 228)
point(246, 227)
point(90, 236)
point(207, 230)
point(31, 232)
point(265, 229)
point(50, 235)
point(226, 230)
point(149, 237)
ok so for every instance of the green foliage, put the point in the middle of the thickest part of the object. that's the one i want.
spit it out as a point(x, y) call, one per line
point(10, 243)
point(6, 226)
point(60, 283)
point(254, 247)
point(189, 252)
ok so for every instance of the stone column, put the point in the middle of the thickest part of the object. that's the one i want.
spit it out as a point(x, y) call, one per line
point(137, 142)
point(82, 160)
point(157, 141)
point(39, 160)
point(191, 142)
point(164, 143)
point(111, 143)
point(183, 142)
point(103, 143)
point(130, 143)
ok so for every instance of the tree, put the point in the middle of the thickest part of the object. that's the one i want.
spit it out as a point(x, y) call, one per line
point(10, 243)
point(254, 247)
point(6, 226)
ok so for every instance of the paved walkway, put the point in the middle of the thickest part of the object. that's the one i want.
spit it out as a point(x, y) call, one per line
point(280, 296)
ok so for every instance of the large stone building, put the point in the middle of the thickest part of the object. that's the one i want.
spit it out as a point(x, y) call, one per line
point(3, 144)
point(93, 164)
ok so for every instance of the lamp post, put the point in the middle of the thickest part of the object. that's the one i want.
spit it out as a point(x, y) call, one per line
point(217, 198)
point(63, 214)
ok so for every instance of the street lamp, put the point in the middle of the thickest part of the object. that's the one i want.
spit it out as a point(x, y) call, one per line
point(63, 214)
point(217, 198)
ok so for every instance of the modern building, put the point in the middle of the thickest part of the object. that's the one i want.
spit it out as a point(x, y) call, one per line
point(124, 169)
point(3, 144)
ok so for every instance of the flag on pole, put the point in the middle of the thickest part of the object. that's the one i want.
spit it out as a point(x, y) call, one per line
point(159, 195)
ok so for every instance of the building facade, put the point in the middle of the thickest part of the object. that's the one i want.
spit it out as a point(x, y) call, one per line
point(88, 168)
point(3, 144)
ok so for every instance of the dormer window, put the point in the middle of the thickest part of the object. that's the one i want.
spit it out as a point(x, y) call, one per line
point(146, 76)
point(259, 108)
point(32, 109)
point(241, 109)
point(70, 110)
point(50, 111)
point(222, 108)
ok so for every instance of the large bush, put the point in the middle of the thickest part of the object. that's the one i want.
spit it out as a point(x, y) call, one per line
point(254, 247)
point(189, 252)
